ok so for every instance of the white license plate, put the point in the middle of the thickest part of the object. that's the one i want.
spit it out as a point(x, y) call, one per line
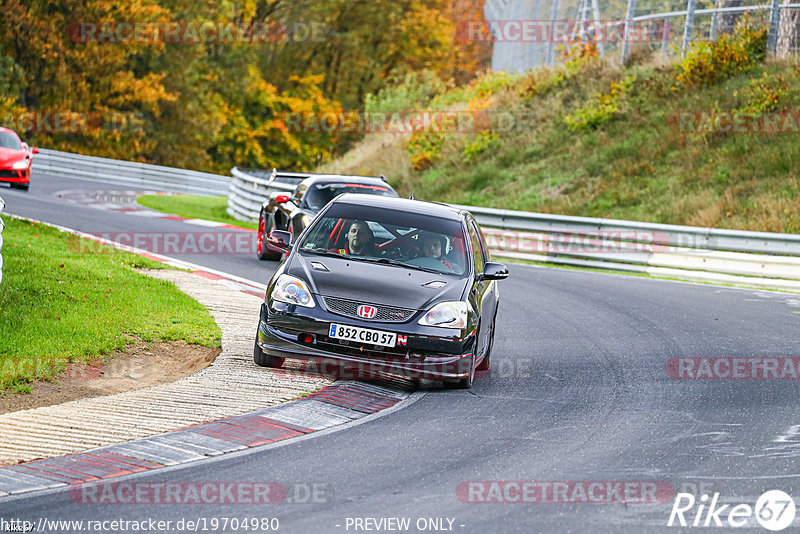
point(362, 335)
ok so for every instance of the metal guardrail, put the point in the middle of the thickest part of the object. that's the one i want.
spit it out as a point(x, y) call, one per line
point(2, 227)
point(248, 191)
point(758, 259)
point(130, 173)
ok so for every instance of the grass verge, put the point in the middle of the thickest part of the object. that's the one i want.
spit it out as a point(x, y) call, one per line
point(194, 207)
point(63, 302)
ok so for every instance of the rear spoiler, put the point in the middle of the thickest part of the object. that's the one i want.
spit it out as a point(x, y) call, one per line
point(295, 178)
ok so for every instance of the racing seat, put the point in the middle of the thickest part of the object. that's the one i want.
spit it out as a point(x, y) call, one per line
point(456, 254)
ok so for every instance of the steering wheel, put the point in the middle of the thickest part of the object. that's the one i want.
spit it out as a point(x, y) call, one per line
point(398, 242)
point(393, 253)
point(432, 263)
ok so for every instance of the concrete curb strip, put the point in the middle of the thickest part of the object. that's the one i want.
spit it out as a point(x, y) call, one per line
point(232, 385)
point(326, 408)
point(229, 406)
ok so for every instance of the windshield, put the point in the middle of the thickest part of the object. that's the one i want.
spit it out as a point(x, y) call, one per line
point(318, 196)
point(8, 140)
point(388, 236)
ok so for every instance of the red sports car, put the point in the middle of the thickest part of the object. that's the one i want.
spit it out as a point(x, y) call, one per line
point(15, 160)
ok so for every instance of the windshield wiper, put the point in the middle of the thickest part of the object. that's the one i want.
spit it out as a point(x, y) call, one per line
point(387, 261)
point(390, 261)
point(322, 252)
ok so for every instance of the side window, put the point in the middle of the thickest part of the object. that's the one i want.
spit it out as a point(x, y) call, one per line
point(477, 248)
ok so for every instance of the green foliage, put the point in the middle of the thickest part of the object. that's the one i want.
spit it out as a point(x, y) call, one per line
point(478, 90)
point(482, 142)
point(67, 299)
point(709, 61)
point(415, 91)
point(424, 148)
point(12, 78)
point(762, 95)
point(604, 107)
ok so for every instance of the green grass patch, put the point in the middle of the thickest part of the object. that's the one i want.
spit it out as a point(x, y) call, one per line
point(194, 207)
point(63, 301)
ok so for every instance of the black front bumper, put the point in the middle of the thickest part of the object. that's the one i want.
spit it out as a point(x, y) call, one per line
point(430, 352)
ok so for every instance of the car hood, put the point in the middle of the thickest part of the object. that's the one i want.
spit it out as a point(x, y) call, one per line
point(373, 283)
point(9, 156)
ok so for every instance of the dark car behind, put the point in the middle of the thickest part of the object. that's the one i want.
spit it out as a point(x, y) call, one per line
point(293, 212)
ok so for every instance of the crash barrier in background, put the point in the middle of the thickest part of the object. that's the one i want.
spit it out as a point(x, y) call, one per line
point(129, 173)
point(2, 227)
point(249, 189)
point(758, 259)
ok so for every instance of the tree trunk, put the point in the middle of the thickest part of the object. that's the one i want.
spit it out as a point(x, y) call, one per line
point(787, 34)
point(727, 21)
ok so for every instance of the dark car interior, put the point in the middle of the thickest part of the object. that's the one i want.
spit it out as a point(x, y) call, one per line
point(318, 196)
point(400, 243)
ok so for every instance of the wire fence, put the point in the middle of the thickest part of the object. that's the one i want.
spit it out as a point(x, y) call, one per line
point(624, 27)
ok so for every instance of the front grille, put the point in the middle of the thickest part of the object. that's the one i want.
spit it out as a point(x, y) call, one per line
point(388, 314)
point(9, 174)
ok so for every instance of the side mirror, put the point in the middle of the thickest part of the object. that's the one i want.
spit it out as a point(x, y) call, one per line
point(34, 150)
point(280, 239)
point(495, 271)
point(281, 199)
point(25, 146)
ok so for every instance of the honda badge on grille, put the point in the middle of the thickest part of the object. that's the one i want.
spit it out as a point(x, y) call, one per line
point(367, 312)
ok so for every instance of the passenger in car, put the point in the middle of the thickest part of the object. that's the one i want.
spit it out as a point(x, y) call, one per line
point(433, 246)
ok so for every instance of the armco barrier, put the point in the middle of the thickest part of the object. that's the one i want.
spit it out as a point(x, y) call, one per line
point(129, 173)
point(2, 227)
point(249, 190)
point(760, 259)
point(757, 259)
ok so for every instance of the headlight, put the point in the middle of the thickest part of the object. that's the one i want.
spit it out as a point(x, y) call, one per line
point(447, 315)
point(292, 290)
point(21, 165)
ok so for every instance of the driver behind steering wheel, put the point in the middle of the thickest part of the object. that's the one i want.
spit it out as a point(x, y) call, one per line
point(434, 246)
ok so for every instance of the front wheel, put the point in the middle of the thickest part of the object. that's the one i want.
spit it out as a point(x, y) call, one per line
point(464, 383)
point(265, 360)
point(486, 363)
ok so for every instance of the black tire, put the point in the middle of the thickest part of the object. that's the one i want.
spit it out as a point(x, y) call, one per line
point(265, 226)
point(486, 363)
point(265, 360)
point(464, 383)
point(23, 187)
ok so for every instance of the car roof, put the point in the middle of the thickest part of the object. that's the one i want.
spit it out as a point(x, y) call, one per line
point(6, 130)
point(339, 179)
point(422, 207)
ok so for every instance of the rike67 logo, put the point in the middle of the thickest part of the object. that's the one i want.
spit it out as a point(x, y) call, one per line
point(774, 510)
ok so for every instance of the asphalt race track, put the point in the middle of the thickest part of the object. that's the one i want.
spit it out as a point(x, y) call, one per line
point(579, 393)
point(41, 203)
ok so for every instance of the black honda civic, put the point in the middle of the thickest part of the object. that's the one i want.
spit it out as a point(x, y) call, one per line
point(384, 285)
